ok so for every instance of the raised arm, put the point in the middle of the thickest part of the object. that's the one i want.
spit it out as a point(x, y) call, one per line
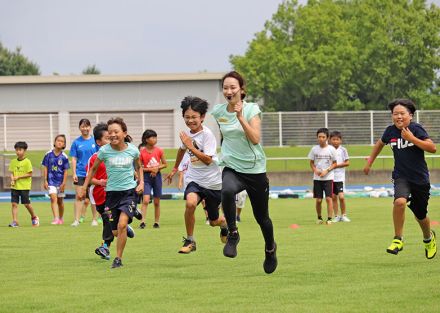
point(252, 129)
point(426, 144)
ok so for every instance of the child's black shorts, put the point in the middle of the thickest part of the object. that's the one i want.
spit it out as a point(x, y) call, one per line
point(121, 201)
point(338, 187)
point(417, 196)
point(322, 186)
point(17, 194)
point(213, 198)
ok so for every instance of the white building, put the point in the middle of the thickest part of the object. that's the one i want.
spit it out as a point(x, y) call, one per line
point(37, 108)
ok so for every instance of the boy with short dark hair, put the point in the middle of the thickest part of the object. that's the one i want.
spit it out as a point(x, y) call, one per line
point(97, 191)
point(322, 161)
point(342, 161)
point(409, 141)
point(21, 184)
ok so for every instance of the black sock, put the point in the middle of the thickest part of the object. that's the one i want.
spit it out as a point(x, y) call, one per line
point(397, 237)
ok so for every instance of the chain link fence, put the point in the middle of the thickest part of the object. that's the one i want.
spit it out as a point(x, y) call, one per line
point(278, 128)
point(358, 128)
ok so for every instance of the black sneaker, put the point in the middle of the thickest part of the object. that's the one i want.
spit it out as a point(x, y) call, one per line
point(117, 262)
point(156, 225)
point(230, 249)
point(130, 232)
point(137, 214)
point(142, 225)
point(188, 246)
point(270, 262)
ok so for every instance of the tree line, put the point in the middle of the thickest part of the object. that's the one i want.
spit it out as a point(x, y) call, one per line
point(14, 63)
point(345, 55)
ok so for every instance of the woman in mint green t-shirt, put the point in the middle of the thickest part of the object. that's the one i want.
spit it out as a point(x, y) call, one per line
point(245, 165)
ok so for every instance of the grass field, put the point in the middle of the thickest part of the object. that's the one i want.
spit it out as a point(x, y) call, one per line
point(337, 268)
point(292, 165)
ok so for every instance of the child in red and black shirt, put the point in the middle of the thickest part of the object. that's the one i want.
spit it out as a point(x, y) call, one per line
point(97, 191)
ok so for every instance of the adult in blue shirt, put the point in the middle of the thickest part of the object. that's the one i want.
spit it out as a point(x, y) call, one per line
point(81, 150)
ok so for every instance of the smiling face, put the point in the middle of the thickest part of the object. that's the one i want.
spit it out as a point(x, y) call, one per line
point(85, 130)
point(116, 135)
point(193, 120)
point(401, 116)
point(232, 90)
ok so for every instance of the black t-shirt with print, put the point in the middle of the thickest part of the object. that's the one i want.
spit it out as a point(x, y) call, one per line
point(409, 160)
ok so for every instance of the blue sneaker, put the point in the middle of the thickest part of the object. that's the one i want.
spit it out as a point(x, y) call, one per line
point(103, 252)
point(130, 232)
point(13, 224)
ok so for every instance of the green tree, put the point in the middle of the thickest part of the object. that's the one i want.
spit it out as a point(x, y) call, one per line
point(91, 70)
point(345, 55)
point(14, 63)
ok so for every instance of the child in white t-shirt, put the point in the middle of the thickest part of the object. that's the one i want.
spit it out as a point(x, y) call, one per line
point(342, 161)
point(323, 161)
point(203, 177)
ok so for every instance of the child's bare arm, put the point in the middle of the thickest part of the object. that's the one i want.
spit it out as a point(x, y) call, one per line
point(374, 153)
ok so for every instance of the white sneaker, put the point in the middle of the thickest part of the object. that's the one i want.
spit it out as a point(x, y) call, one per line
point(336, 219)
point(328, 222)
point(319, 221)
point(344, 218)
point(75, 224)
point(94, 223)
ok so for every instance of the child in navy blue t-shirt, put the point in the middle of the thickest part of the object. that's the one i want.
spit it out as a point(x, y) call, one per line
point(55, 165)
point(409, 141)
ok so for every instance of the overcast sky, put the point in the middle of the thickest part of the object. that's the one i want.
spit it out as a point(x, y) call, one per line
point(133, 36)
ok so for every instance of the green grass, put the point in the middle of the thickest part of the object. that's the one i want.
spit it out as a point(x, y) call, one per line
point(337, 268)
point(292, 165)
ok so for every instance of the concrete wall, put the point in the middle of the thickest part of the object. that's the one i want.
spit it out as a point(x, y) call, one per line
point(64, 97)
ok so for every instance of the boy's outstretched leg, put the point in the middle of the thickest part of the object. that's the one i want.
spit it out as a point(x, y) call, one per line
point(429, 239)
point(398, 220)
point(122, 239)
point(189, 245)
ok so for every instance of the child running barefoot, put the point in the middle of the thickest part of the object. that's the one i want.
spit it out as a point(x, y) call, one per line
point(121, 188)
point(203, 176)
